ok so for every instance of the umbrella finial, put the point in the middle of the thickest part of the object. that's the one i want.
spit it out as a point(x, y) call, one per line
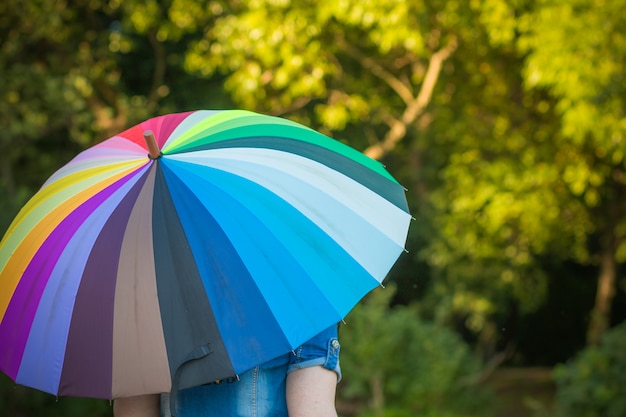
point(153, 149)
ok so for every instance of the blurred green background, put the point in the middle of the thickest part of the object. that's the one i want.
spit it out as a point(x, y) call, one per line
point(504, 119)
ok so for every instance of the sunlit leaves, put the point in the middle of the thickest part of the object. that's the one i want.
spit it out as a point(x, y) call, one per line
point(388, 24)
point(499, 19)
point(341, 108)
point(145, 15)
point(332, 62)
point(576, 49)
point(274, 55)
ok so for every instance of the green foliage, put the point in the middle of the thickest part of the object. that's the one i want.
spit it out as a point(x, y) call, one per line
point(74, 74)
point(535, 134)
point(405, 366)
point(577, 50)
point(333, 64)
point(594, 383)
point(18, 401)
point(49, 62)
point(498, 201)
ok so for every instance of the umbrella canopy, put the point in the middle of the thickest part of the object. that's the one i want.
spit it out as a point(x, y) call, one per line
point(234, 240)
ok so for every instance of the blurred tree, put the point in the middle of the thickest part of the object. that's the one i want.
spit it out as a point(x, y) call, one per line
point(577, 51)
point(594, 383)
point(499, 200)
point(59, 86)
point(38, 95)
point(535, 167)
point(74, 73)
point(370, 66)
point(396, 364)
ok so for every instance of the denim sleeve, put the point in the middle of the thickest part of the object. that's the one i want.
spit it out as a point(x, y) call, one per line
point(321, 350)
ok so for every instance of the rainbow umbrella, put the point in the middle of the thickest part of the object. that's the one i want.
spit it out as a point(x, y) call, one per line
point(232, 240)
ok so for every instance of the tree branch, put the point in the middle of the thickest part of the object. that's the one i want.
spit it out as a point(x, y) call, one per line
point(416, 106)
point(402, 90)
point(488, 370)
point(295, 105)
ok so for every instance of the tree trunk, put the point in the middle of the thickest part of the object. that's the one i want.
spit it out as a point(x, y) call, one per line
point(378, 395)
point(601, 313)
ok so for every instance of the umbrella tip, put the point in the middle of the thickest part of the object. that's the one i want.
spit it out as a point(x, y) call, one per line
point(153, 149)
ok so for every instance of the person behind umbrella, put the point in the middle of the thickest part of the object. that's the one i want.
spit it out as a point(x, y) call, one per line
point(301, 383)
